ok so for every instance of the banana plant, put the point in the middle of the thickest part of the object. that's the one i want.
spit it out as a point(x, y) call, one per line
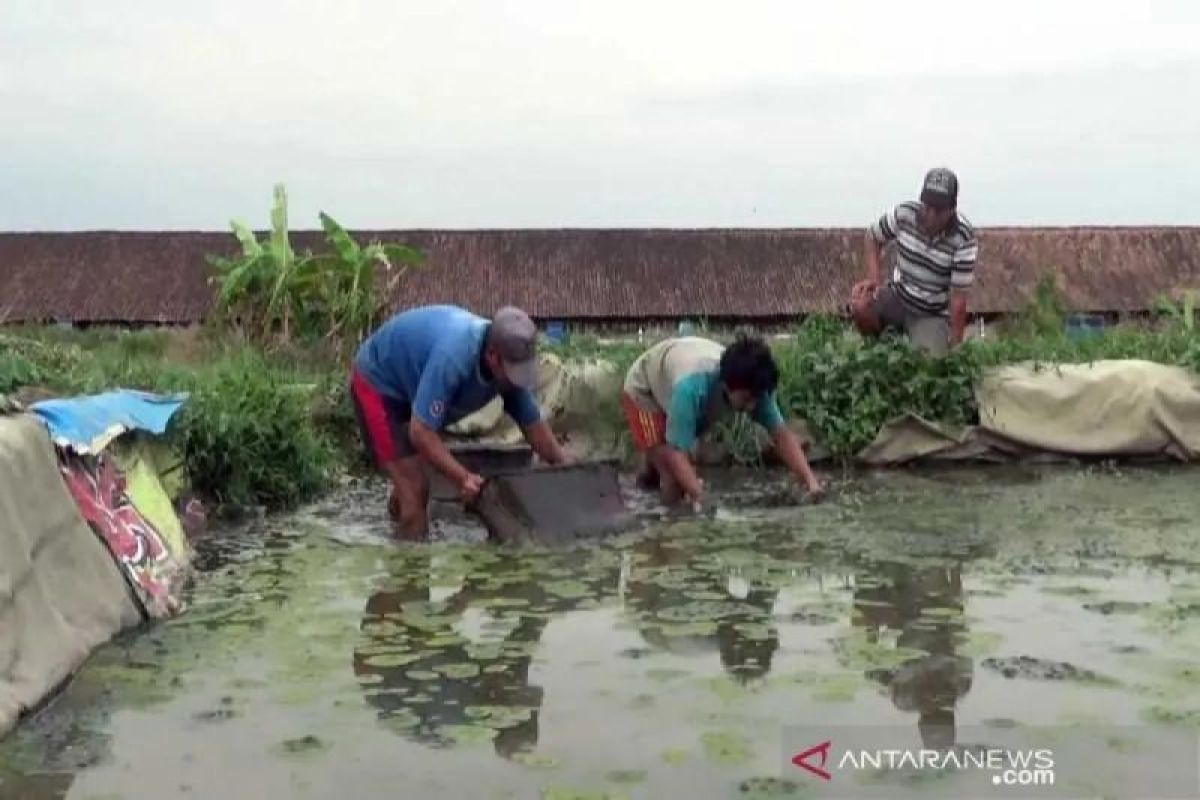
point(241, 279)
point(284, 265)
point(1183, 313)
point(274, 294)
point(354, 303)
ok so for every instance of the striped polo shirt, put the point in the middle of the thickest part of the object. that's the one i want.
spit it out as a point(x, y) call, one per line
point(927, 268)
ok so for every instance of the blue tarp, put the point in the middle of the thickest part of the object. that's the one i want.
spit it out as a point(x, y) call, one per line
point(89, 424)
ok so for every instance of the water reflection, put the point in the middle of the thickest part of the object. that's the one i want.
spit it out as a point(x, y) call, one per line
point(925, 606)
point(681, 608)
point(37, 786)
point(443, 662)
point(446, 649)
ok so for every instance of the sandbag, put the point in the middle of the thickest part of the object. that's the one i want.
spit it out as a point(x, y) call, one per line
point(61, 594)
point(912, 438)
point(566, 394)
point(1126, 409)
point(1107, 408)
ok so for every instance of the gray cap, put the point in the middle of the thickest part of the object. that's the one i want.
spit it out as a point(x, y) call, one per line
point(515, 338)
point(940, 188)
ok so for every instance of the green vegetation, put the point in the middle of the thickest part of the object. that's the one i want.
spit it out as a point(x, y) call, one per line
point(269, 420)
point(270, 295)
point(256, 430)
point(846, 388)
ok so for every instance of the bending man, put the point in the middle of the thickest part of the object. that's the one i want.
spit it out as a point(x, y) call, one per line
point(427, 368)
point(677, 389)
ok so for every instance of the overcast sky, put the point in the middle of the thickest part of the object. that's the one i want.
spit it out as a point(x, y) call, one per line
point(150, 114)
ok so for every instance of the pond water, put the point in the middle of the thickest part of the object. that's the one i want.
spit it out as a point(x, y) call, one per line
point(319, 660)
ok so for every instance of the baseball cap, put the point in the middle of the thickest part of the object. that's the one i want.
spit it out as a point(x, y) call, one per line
point(515, 338)
point(940, 189)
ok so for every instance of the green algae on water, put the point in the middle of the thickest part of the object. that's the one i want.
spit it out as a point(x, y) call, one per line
point(499, 716)
point(770, 789)
point(445, 640)
point(856, 651)
point(726, 747)
point(458, 671)
point(753, 631)
point(676, 756)
point(303, 746)
point(688, 629)
point(558, 793)
point(942, 613)
point(837, 692)
point(469, 734)
point(630, 776)
point(701, 611)
point(1069, 591)
point(703, 595)
point(977, 644)
point(568, 589)
point(484, 652)
point(536, 761)
point(1189, 718)
point(727, 689)
point(401, 719)
point(392, 660)
point(643, 702)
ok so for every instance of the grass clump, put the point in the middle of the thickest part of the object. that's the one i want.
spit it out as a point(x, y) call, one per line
point(248, 436)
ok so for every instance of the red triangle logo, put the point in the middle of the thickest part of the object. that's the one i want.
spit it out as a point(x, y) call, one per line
point(801, 760)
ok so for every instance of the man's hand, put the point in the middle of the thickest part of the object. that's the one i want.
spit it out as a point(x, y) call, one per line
point(543, 441)
point(863, 293)
point(789, 450)
point(816, 490)
point(862, 307)
point(470, 487)
point(682, 472)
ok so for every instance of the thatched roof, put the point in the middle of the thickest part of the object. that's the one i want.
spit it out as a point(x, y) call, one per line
point(596, 274)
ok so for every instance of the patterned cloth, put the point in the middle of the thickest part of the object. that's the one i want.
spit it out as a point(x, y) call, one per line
point(99, 490)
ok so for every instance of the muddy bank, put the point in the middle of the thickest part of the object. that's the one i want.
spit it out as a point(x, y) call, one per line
point(320, 660)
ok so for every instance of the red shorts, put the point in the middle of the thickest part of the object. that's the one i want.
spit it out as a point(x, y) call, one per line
point(649, 428)
point(382, 420)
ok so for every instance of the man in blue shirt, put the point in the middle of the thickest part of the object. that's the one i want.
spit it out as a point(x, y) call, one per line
point(427, 368)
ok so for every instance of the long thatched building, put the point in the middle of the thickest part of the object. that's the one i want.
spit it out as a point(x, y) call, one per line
point(597, 275)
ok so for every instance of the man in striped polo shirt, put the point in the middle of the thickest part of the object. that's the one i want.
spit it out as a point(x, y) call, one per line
point(926, 296)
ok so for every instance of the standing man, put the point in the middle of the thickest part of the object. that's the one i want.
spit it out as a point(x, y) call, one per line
point(677, 389)
point(423, 370)
point(926, 296)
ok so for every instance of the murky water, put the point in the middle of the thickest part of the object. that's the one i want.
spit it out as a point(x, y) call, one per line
point(318, 660)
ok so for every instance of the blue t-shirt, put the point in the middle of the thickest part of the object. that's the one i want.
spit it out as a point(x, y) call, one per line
point(688, 415)
point(430, 358)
